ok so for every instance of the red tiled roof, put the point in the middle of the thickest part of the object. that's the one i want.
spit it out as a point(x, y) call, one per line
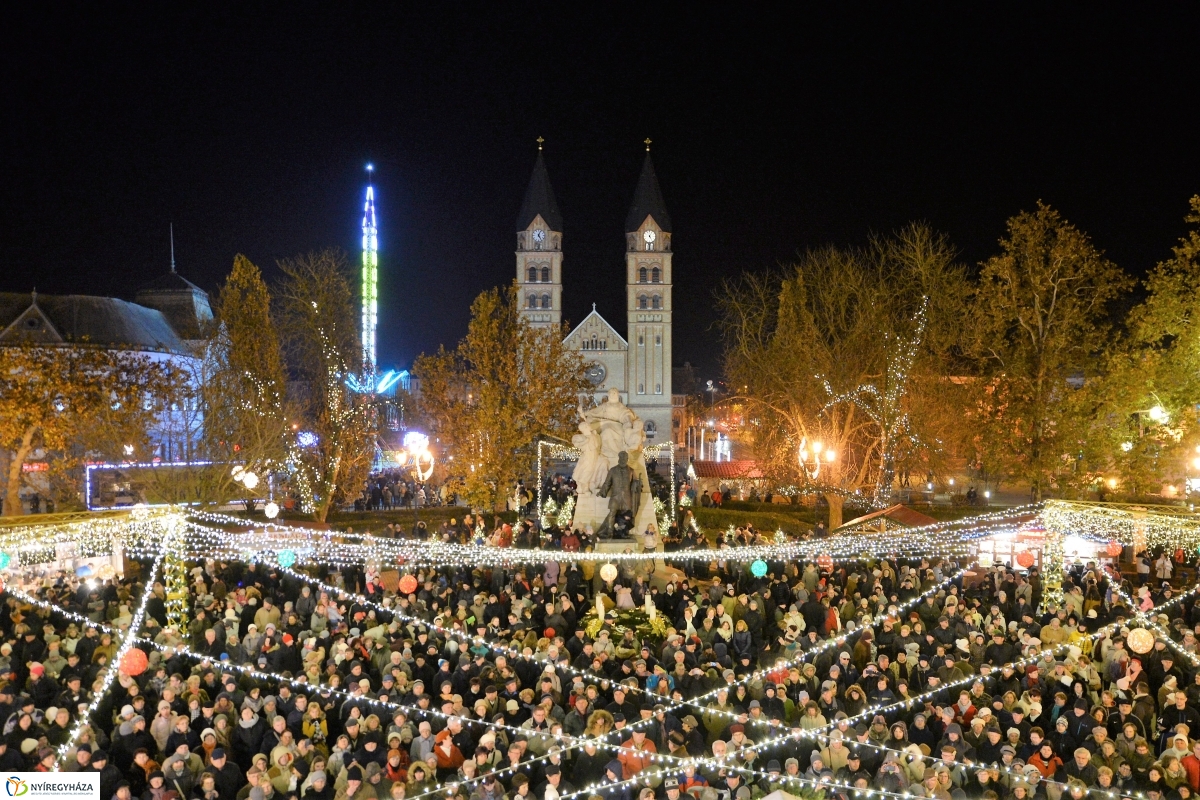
point(727, 470)
point(900, 514)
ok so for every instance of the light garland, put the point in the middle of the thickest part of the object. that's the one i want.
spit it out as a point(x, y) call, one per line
point(127, 642)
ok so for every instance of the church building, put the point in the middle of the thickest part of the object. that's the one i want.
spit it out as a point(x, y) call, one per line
point(639, 363)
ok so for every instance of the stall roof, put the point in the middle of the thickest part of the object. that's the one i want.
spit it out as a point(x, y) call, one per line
point(745, 469)
point(898, 514)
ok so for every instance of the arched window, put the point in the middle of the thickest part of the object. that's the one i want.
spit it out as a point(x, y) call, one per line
point(642, 275)
point(533, 301)
point(533, 274)
point(656, 275)
point(656, 302)
point(545, 301)
point(641, 301)
point(545, 274)
point(595, 342)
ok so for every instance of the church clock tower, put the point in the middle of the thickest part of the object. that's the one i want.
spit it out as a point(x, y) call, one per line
point(539, 250)
point(648, 304)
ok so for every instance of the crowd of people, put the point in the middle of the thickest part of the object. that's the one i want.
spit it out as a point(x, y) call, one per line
point(873, 678)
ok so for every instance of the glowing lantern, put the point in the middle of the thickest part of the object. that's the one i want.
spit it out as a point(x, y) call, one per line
point(608, 573)
point(134, 662)
point(408, 584)
point(286, 558)
point(1114, 548)
point(758, 568)
point(1026, 559)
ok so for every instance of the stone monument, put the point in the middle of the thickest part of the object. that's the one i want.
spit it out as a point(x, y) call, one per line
point(605, 433)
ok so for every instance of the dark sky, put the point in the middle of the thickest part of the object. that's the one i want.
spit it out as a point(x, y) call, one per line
point(249, 131)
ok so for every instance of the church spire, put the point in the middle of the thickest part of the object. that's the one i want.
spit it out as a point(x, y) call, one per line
point(539, 198)
point(648, 200)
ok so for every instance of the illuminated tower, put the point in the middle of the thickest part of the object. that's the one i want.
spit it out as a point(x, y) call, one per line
point(370, 280)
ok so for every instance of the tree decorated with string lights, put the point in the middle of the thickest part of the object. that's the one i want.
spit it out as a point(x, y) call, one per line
point(318, 317)
point(829, 353)
point(488, 400)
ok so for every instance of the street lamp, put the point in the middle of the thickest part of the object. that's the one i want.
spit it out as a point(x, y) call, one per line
point(810, 458)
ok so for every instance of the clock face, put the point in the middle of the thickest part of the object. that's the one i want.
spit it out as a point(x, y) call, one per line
point(648, 236)
point(595, 374)
point(539, 235)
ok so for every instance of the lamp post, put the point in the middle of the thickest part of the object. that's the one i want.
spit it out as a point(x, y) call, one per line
point(811, 457)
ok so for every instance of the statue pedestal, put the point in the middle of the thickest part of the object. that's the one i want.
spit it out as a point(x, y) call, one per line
point(589, 510)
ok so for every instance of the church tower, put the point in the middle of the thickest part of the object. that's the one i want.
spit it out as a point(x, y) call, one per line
point(648, 304)
point(539, 250)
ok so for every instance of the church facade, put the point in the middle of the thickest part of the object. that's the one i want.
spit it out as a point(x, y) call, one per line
point(637, 364)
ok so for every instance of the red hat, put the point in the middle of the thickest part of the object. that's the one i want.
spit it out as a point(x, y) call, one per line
point(287, 638)
point(737, 729)
point(37, 669)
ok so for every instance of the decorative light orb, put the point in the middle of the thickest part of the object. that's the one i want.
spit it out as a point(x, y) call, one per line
point(1126, 446)
point(1025, 559)
point(1159, 414)
point(1141, 641)
point(408, 584)
point(237, 471)
point(84, 571)
point(134, 662)
point(5, 560)
point(759, 568)
point(271, 509)
point(825, 562)
point(1114, 548)
point(249, 479)
point(608, 573)
point(286, 558)
point(306, 439)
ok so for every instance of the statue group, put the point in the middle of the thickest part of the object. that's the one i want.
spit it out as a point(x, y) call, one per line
point(611, 468)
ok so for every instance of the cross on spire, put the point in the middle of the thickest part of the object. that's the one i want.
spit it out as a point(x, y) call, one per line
point(539, 141)
point(647, 144)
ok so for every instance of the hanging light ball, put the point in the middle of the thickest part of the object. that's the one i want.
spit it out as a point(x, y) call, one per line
point(286, 558)
point(1141, 641)
point(408, 584)
point(1025, 559)
point(271, 509)
point(249, 479)
point(759, 568)
point(237, 471)
point(608, 573)
point(1114, 548)
point(134, 661)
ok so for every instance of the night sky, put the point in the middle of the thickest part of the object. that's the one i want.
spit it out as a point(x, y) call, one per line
point(249, 131)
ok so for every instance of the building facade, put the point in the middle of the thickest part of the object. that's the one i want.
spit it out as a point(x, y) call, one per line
point(637, 364)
